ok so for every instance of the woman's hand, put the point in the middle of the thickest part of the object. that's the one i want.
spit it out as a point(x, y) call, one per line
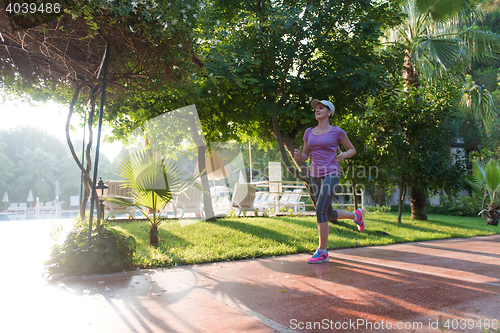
point(340, 157)
point(351, 151)
point(297, 154)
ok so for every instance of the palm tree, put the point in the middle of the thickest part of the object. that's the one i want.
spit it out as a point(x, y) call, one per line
point(439, 40)
point(154, 182)
point(488, 179)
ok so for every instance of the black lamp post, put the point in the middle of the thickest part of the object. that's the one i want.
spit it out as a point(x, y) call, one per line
point(101, 186)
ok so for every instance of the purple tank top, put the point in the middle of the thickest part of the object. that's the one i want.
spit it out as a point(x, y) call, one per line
point(323, 150)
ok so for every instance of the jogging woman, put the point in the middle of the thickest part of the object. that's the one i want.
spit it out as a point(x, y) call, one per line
point(320, 144)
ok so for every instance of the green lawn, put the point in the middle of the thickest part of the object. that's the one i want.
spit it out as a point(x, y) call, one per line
point(192, 241)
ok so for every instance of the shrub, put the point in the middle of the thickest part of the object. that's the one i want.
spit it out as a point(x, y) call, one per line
point(109, 252)
point(231, 213)
point(78, 223)
point(405, 208)
point(461, 206)
point(377, 209)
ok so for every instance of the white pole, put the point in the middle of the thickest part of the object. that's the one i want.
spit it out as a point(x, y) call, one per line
point(37, 208)
point(250, 153)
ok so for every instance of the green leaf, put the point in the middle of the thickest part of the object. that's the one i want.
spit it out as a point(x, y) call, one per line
point(443, 51)
point(492, 177)
point(478, 172)
point(440, 10)
point(154, 181)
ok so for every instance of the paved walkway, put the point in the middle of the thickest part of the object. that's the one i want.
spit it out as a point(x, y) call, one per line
point(416, 287)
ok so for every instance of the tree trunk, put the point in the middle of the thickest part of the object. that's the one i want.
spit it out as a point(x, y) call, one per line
point(86, 175)
point(379, 195)
point(207, 198)
point(153, 235)
point(88, 158)
point(410, 75)
point(493, 214)
point(287, 146)
point(417, 199)
point(86, 195)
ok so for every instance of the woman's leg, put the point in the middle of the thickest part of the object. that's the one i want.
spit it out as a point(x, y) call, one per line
point(357, 217)
point(344, 214)
point(324, 190)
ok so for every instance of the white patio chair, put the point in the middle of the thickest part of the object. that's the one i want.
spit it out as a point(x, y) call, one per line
point(13, 207)
point(190, 201)
point(222, 207)
point(116, 190)
point(22, 208)
point(47, 207)
point(294, 201)
point(243, 197)
point(285, 197)
point(260, 198)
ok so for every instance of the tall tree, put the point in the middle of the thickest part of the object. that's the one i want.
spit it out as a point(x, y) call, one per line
point(7, 167)
point(37, 170)
point(413, 139)
point(439, 39)
point(265, 61)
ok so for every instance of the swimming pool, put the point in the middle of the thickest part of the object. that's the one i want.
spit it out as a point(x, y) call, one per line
point(43, 216)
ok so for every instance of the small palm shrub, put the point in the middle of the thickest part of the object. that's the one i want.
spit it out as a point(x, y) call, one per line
point(487, 178)
point(154, 182)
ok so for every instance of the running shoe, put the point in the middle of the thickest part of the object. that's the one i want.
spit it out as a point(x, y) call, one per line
point(361, 221)
point(319, 256)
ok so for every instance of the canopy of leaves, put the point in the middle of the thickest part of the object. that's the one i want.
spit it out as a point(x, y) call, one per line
point(272, 57)
point(46, 56)
point(440, 38)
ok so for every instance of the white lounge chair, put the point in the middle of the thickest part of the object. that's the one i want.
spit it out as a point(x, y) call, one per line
point(260, 198)
point(22, 208)
point(294, 201)
point(243, 197)
point(13, 207)
point(190, 201)
point(221, 207)
point(115, 189)
point(285, 197)
point(47, 207)
point(266, 201)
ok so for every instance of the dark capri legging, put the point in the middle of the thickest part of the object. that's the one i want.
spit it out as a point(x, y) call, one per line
point(324, 189)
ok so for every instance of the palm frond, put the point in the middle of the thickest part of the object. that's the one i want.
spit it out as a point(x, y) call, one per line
point(442, 10)
point(144, 172)
point(128, 202)
point(492, 178)
point(478, 172)
point(444, 52)
point(481, 104)
point(154, 181)
point(482, 45)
